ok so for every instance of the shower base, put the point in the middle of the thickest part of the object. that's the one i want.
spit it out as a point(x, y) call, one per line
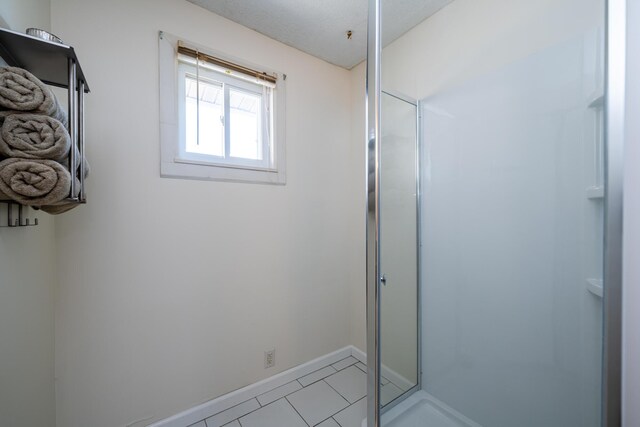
point(423, 410)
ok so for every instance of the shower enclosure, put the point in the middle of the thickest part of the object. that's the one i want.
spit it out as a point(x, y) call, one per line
point(494, 215)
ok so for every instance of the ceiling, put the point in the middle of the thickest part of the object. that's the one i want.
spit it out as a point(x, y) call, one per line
point(319, 27)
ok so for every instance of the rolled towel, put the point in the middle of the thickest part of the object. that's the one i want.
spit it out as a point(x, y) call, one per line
point(21, 91)
point(34, 182)
point(60, 207)
point(66, 205)
point(34, 136)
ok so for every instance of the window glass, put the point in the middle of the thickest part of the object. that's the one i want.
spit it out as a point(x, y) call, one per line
point(245, 125)
point(210, 141)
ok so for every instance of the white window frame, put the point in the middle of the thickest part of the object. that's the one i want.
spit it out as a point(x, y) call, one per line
point(175, 162)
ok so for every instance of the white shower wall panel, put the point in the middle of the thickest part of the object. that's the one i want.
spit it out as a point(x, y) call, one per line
point(507, 322)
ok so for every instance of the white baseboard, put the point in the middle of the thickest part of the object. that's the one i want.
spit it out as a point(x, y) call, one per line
point(386, 372)
point(359, 354)
point(226, 401)
point(219, 404)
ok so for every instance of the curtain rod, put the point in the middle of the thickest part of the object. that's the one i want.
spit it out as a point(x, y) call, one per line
point(225, 64)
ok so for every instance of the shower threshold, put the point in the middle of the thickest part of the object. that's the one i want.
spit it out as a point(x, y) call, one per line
point(423, 410)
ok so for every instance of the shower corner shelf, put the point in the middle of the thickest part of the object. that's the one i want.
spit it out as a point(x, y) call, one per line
point(596, 100)
point(595, 193)
point(595, 287)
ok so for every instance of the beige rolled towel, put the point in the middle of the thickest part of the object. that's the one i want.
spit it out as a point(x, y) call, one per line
point(66, 205)
point(34, 136)
point(59, 208)
point(21, 91)
point(34, 182)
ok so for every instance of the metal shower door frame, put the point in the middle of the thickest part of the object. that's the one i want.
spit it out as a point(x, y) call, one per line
point(418, 211)
point(373, 95)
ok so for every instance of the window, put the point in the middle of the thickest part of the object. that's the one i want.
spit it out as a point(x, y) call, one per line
point(228, 120)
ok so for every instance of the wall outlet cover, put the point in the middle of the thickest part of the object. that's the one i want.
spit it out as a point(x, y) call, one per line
point(269, 358)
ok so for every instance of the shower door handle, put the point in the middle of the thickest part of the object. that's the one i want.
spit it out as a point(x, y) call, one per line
point(383, 279)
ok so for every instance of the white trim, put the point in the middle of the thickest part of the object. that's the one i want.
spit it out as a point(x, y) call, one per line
point(219, 404)
point(403, 383)
point(359, 354)
point(222, 165)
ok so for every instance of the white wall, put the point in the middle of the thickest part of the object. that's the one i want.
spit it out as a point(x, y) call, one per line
point(358, 147)
point(27, 283)
point(510, 239)
point(170, 290)
point(23, 14)
point(468, 38)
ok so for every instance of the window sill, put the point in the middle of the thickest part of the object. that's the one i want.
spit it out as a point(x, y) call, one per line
point(223, 165)
point(193, 169)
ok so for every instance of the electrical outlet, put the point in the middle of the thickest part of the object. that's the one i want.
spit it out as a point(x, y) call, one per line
point(269, 358)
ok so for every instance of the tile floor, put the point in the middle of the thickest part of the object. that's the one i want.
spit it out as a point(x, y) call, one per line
point(333, 396)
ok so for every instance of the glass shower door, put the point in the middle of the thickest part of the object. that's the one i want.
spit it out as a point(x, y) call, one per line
point(399, 248)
